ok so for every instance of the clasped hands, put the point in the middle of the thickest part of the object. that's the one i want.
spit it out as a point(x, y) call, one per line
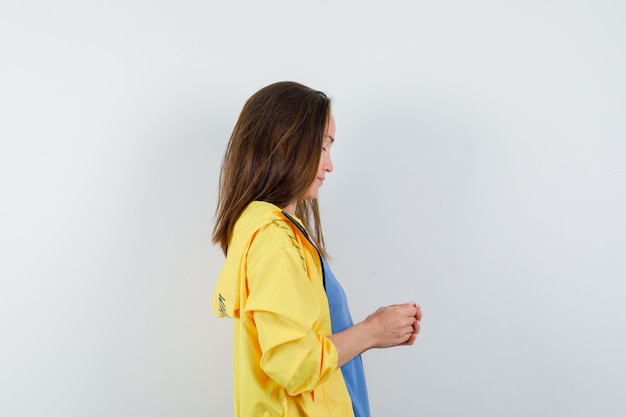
point(394, 325)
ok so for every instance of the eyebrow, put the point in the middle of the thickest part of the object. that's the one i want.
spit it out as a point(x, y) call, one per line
point(332, 139)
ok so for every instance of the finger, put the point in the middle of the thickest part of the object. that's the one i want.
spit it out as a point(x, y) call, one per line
point(417, 310)
point(417, 326)
point(410, 304)
point(408, 310)
point(407, 321)
point(408, 330)
point(405, 334)
point(409, 341)
point(403, 305)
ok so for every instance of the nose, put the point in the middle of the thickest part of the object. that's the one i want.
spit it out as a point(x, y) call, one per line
point(328, 164)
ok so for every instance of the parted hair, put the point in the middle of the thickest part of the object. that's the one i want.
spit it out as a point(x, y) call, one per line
point(273, 155)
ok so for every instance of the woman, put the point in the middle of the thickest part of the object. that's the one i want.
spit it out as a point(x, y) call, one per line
point(296, 350)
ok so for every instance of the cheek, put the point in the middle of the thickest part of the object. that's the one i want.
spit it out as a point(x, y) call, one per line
point(312, 191)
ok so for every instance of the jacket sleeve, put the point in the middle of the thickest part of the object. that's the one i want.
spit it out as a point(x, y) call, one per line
point(285, 310)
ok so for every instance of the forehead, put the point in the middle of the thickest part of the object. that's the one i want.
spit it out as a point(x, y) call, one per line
point(330, 128)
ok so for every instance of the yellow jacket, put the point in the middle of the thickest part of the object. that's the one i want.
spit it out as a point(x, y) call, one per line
point(271, 285)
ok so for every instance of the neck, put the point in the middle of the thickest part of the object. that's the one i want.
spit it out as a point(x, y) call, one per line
point(290, 208)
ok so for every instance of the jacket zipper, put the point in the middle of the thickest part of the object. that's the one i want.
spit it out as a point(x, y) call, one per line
point(306, 235)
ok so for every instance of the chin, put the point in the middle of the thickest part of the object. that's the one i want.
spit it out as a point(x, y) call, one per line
point(310, 195)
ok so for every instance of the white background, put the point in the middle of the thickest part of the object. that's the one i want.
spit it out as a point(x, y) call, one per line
point(480, 170)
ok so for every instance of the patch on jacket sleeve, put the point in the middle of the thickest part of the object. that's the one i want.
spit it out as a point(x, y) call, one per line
point(221, 304)
point(281, 223)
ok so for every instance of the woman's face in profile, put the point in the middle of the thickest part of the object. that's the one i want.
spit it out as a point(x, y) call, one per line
point(326, 164)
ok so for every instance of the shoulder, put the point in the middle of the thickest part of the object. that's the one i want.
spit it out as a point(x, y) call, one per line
point(278, 239)
point(260, 215)
point(279, 230)
point(255, 217)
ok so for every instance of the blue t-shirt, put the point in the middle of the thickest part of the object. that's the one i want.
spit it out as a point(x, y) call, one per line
point(340, 319)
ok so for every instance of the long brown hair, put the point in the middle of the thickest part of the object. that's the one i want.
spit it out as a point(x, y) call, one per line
point(273, 156)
